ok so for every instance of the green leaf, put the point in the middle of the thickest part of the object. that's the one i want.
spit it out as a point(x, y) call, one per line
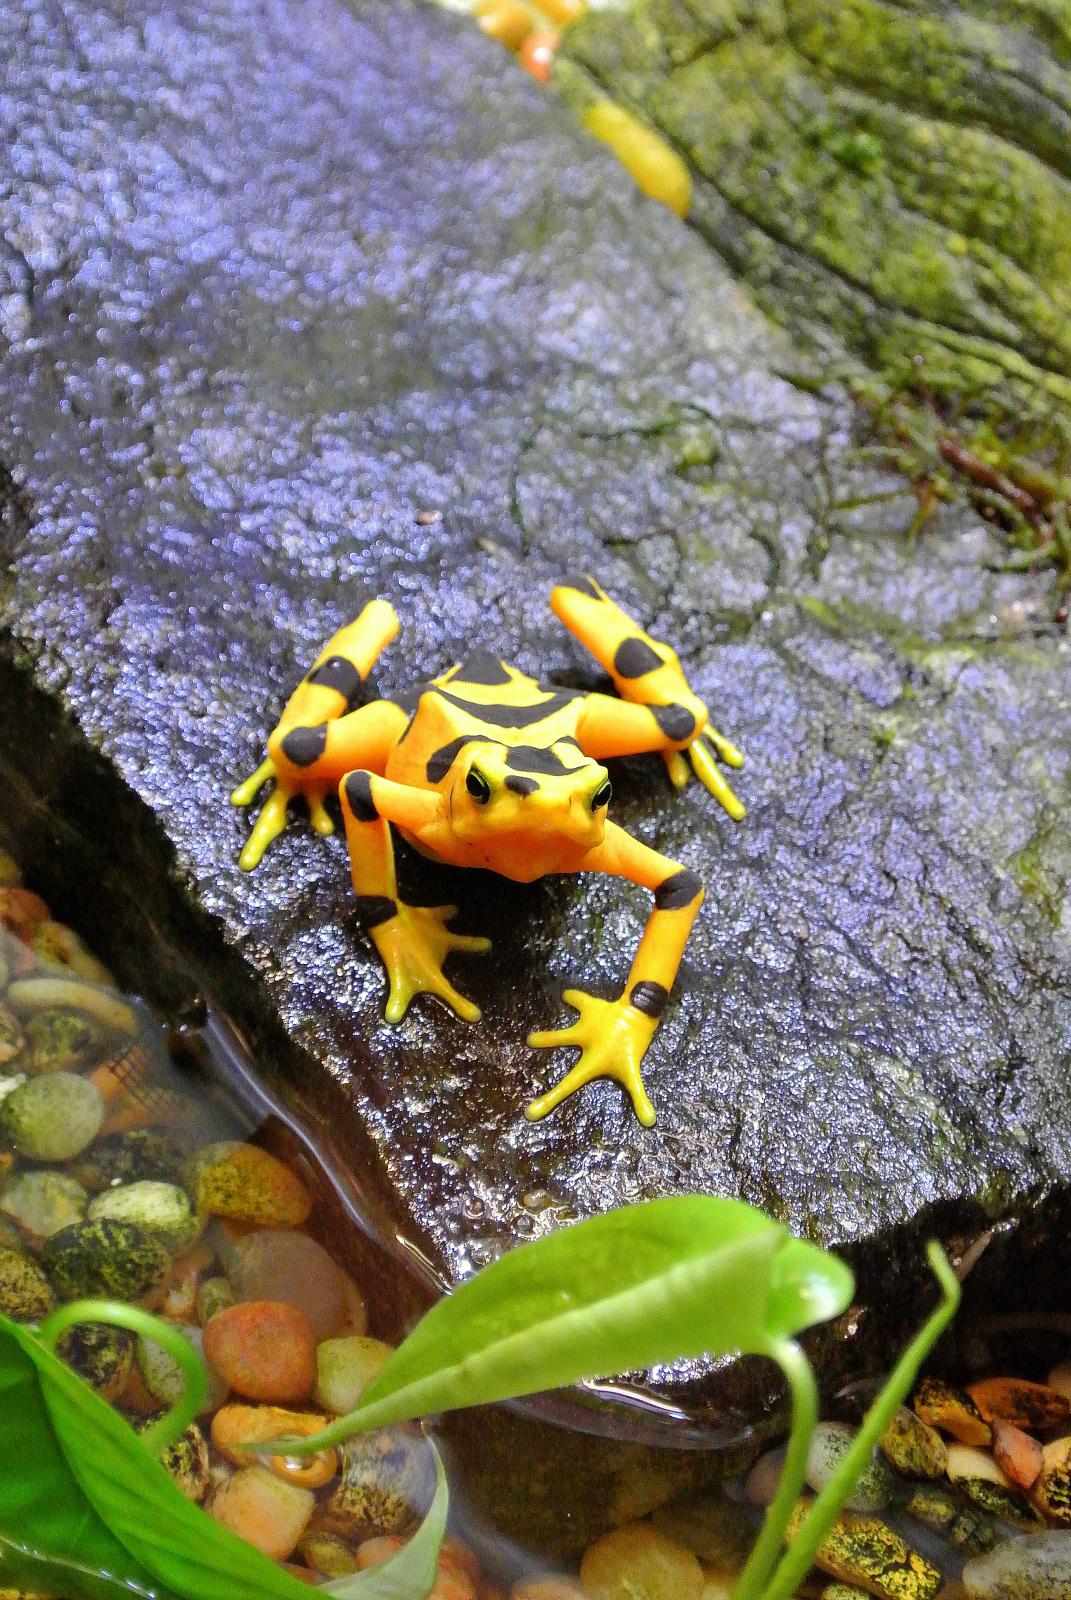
point(641, 1285)
point(79, 1490)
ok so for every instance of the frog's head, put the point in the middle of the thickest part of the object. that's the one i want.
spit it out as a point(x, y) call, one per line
point(543, 792)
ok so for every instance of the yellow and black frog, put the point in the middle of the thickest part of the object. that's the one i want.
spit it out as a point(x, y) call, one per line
point(488, 768)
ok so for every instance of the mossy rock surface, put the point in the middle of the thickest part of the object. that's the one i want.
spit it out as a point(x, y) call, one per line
point(286, 282)
point(891, 177)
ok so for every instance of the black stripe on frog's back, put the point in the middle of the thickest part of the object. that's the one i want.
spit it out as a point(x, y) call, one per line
point(483, 668)
point(522, 714)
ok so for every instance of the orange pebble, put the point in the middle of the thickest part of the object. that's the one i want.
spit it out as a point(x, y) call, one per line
point(248, 1184)
point(563, 11)
point(136, 1396)
point(263, 1350)
point(22, 912)
point(1016, 1454)
point(264, 1511)
point(537, 52)
point(1033, 1406)
point(235, 1426)
point(373, 1552)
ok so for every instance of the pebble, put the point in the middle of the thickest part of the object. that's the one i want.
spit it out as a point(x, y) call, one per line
point(951, 1410)
point(186, 1460)
point(344, 1369)
point(765, 1475)
point(279, 1264)
point(636, 1562)
point(56, 945)
point(57, 1040)
point(161, 1209)
point(1038, 1568)
point(101, 1354)
point(914, 1448)
point(213, 1294)
point(247, 1184)
point(711, 1527)
point(829, 1444)
point(1017, 1454)
point(163, 1376)
point(25, 1295)
point(264, 1350)
point(236, 1426)
point(263, 1510)
point(43, 1202)
point(1052, 1491)
point(1006, 1505)
point(52, 1118)
point(1033, 1406)
point(327, 1555)
point(968, 1529)
point(12, 1038)
point(549, 1588)
point(866, 1552)
point(139, 1153)
point(104, 1260)
point(385, 1485)
point(965, 1463)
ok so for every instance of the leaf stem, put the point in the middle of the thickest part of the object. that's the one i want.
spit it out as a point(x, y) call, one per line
point(800, 1554)
point(166, 1429)
point(797, 1369)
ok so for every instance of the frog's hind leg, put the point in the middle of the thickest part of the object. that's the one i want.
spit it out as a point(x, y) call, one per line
point(315, 740)
point(413, 941)
point(661, 712)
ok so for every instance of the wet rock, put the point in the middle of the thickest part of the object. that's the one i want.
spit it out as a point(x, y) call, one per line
point(637, 1562)
point(952, 1411)
point(263, 1349)
point(246, 1184)
point(186, 1460)
point(966, 1528)
point(160, 1209)
point(165, 1379)
point(384, 1486)
point(230, 388)
point(718, 1531)
point(344, 1369)
point(136, 1156)
point(278, 1264)
point(41, 1203)
point(25, 1294)
point(1052, 1489)
point(56, 1041)
point(1033, 1406)
point(1038, 1568)
point(101, 1354)
point(261, 1508)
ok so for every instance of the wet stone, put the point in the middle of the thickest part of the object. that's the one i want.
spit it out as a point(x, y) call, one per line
point(830, 1441)
point(259, 396)
point(867, 1553)
point(104, 1259)
point(52, 1118)
point(25, 1293)
point(101, 1354)
point(278, 1264)
point(384, 1486)
point(966, 1528)
point(137, 1155)
point(162, 1210)
point(42, 1202)
point(186, 1460)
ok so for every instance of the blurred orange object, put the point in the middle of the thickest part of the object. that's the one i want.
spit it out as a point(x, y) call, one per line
point(537, 53)
point(506, 20)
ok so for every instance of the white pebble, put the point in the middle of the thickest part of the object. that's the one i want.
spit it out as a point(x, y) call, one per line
point(1035, 1568)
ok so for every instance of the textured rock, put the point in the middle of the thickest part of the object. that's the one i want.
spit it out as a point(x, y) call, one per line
point(893, 177)
point(276, 286)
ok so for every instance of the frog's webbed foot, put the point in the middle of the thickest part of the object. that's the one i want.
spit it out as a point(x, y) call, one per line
point(413, 942)
point(612, 1037)
point(707, 744)
point(272, 818)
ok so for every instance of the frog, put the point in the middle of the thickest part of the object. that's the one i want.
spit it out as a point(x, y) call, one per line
point(486, 767)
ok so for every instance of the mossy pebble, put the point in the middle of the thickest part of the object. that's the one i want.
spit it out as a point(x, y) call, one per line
point(104, 1259)
point(246, 1184)
point(101, 1354)
point(40, 1203)
point(165, 1379)
point(52, 1118)
point(162, 1209)
point(865, 1552)
point(57, 1040)
point(186, 1460)
point(830, 1442)
point(25, 1295)
point(213, 1294)
point(327, 1555)
point(914, 1448)
point(636, 1562)
point(12, 1038)
point(385, 1485)
point(1038, 1568)
point(130, 1157)
point(344, 1369)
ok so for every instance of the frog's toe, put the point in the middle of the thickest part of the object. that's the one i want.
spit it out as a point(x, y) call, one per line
point(247, 792)
point(612, 1037)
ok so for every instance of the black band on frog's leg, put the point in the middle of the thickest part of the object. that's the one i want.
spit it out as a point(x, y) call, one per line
point(649, 997)
point(336, 673)
point(675, 721)
point(358, 787)
point(303, 746)
point(376, 908)
point(634, 658)
point(678, 891)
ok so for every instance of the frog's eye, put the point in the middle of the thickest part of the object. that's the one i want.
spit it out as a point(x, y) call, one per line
point(602, 796)
point(478, 786)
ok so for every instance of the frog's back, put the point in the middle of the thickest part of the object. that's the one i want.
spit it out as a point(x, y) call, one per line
point(482, 697)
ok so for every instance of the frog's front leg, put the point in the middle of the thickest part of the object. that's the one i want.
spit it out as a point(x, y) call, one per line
point(613, 1035)
point(646, 673)
point(316, 740)
point(413, 941)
